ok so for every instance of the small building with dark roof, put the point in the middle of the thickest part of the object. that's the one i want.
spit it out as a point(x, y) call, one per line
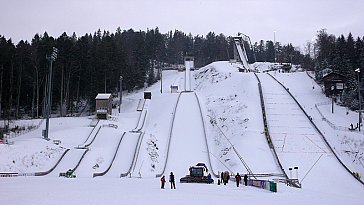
point(103, 105)
point(334, 83)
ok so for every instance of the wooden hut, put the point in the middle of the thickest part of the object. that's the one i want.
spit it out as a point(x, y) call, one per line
point(334, 83)
point(103, 105)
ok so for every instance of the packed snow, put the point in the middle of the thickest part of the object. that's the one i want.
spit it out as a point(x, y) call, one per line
point(172, 139)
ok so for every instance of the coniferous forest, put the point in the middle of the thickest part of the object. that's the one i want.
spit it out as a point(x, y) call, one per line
point(93, 63)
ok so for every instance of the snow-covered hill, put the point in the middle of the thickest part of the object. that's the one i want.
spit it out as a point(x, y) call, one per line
point(231, 112)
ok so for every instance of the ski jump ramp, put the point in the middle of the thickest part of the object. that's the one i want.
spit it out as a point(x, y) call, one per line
point(240, 52)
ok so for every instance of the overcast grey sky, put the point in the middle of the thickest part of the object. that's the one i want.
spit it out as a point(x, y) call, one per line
point(295, 21)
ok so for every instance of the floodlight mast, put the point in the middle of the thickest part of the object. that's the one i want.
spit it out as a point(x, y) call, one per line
point(50, 58)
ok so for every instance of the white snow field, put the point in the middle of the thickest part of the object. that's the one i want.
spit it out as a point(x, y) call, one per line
point(231, 110)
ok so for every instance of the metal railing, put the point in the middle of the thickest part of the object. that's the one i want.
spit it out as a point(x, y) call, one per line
point(332, 125)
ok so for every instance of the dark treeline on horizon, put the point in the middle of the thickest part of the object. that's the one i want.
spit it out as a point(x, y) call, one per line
point(92, 64)
point(342, 55)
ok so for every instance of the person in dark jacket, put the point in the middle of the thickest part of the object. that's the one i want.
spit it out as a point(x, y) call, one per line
point(246, 180)
point(209, 179)
point(171, 179)
point(163, 181)
point(237, 179)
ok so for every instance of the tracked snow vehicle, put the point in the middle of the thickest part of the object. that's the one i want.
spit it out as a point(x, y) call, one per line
point(197, 175)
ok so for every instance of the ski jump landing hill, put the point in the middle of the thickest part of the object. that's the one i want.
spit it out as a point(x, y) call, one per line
point(187, 137)
point(298, 143)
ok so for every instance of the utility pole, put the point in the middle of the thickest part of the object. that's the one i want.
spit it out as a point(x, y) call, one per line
point(50, 58)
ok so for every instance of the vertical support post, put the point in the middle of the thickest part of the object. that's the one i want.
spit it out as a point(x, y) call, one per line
point(48, 112)
point(275, 55)
point(359, 102)
point(51, 58)
point(161, 73)
point(358, 71)
point(332, 104)
point(296, 168)
point(120, 91)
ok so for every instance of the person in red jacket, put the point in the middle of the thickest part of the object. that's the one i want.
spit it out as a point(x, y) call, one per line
point(163, 181)
point(237, 179)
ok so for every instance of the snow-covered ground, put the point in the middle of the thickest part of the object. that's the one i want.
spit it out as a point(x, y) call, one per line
point(231, 110)
point(349, 145)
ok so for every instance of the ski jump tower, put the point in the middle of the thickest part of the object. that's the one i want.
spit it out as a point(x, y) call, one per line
point(240, 51)
point(189, 64)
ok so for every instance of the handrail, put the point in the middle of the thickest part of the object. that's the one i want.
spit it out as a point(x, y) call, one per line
point(266, 131)
point(170, 136)
point(136, 154)
point(112, 161)
point(318, 130)
point(332, 125)
point(204, 131)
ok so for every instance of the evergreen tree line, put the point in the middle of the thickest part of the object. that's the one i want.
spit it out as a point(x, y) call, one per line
point(93, 64)
point(278, 53)
point(342, 55)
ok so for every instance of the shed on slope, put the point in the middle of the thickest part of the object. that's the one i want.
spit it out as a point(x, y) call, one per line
point(103, 105)
point(334, 83)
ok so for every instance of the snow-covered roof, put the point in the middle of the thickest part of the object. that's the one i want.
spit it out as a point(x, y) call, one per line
point(103, 96)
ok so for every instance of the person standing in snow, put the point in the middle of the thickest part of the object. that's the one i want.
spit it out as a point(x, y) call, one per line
point(171, 179)
point(209, 178)
point(163, 181)
point(226, 177)
point(246, 180)
point(237, 179)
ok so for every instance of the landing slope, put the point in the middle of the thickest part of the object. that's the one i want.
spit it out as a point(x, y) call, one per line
point(188, 140)
point(299, 144)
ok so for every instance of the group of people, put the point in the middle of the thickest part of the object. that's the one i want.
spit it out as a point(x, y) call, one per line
point(225, 176)
point(171, 180)
point(238, 179)
point(352, 126)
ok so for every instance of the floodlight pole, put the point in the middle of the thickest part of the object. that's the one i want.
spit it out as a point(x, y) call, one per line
point(50, 58)
point(358, 71)
point(120, 91)
point(275, 55)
